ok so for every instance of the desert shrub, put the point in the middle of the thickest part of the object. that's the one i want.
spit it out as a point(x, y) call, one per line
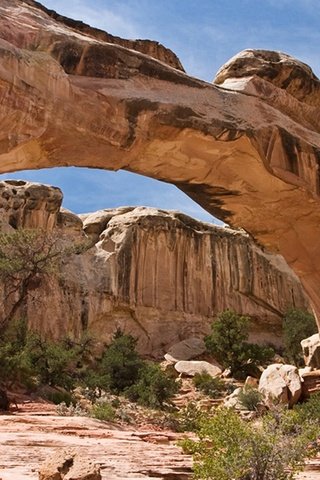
point(153, 388)
point(120, 364)
point(53, 363)
point(28, 359)
point(309, 411)
point(15, 364)
point(227, 342)
point(58, 396)
point(297, 325)
point(103, 411)
point(64, 410)
point(190, 418)
point(229, 447)
point(250, 398)
point(213, 387)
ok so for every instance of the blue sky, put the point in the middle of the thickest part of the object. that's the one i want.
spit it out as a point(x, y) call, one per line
point(204, 34)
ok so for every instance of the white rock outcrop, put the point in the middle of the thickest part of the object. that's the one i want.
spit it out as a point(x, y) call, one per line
point(280, 384)
point(192, 367)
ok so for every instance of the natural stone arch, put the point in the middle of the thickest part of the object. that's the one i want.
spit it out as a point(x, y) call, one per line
point(247, 150)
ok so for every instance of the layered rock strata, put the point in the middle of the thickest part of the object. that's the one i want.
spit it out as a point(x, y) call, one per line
point(246, 148)
point(159, 275)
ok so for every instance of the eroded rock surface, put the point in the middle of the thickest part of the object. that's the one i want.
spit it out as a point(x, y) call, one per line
point(311, 350)
point(186, 350)
point(159, 275)
point(27, 441)
point(69, 464)
point(190, 368)
point(247, 149)
point(281, 384)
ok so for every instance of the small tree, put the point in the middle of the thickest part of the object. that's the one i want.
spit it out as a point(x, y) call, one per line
point(228, 342)
point(154, 388)
point(26, 258)
point(120, 364)
point(297, 325)
point(213, 387)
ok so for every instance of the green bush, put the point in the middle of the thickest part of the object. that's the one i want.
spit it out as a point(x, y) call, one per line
point(53, 363)
point(15, 364)
point(227, 342)
point(153, 388)
point(190, 418)
point(231, 448)
point(120, 364)
point(309, 411)
point(58, 396)
point(297, 325)
point(28, 359)
point(103, 411)
point(250, 398)
point(213, 387)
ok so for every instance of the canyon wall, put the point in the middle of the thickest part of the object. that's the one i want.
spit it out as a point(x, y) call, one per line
point(159, 275)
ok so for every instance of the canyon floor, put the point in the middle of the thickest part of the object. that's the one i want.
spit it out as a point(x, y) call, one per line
point(34, 431)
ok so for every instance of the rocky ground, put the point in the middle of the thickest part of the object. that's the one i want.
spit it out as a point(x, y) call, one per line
point(33, 432)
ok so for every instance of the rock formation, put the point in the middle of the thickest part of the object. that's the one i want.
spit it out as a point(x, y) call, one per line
point(159, 275)
point(246, 148)
point(280, 384)
point(69, 464)
point(124, 453)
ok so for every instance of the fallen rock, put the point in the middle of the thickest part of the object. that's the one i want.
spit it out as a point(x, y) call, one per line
point(311, 351)
point(280, 384)
point(303, 371)
point(232, 400)
point(188, 349)
point(311, 383)
point(191, 367)
point(67, 464)
point(291, 376)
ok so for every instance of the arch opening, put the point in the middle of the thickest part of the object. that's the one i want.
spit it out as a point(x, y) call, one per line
point(87, 190)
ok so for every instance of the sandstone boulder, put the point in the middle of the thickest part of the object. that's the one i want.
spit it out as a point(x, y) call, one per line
point(291, 376)
point(68, 464)
point(311, 351)
point(192, 367)
point(232, 400)
point(188, 349)
point(280, 384)
point(311, 383)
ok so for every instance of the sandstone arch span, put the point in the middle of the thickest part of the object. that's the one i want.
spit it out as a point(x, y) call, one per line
point(246, 148)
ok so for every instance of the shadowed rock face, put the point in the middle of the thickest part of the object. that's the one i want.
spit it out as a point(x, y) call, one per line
point(247, 150)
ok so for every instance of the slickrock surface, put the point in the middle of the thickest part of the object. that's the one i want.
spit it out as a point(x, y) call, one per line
point(126, 454)
point(29, 437)
point(247, 150)
point(157, 274)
